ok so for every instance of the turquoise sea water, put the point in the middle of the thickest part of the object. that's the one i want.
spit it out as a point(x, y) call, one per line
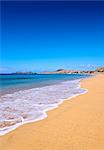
point(27, 98)
point(16, 82)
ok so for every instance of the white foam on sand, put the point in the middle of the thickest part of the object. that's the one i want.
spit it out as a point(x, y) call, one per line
point(31, 105)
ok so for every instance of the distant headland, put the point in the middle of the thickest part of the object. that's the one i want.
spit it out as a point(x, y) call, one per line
point(60, 71)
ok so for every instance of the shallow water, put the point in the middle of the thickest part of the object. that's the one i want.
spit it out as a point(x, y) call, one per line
point(12, 83)
point(31, 104)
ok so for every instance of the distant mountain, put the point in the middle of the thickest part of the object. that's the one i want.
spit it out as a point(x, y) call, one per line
point(64, 71)
point(24, 73)
point(100, 69)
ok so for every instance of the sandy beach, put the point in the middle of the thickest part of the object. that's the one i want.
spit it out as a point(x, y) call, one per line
point(77, 124)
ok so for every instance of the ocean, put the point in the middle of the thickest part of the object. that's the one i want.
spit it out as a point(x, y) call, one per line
point(27, 98)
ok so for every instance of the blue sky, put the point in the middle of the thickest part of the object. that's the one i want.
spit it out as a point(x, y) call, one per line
point(40, 36)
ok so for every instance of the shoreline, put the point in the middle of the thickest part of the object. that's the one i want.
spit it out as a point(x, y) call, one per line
point(81, 120)
point(48, 109)
point(23, 87)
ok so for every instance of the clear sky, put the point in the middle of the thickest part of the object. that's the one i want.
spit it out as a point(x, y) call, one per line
point(40, 36)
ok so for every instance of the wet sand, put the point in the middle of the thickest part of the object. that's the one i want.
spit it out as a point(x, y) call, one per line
point(77, 124)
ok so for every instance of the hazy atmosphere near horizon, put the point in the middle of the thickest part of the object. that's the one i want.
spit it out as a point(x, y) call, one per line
point(39, 36)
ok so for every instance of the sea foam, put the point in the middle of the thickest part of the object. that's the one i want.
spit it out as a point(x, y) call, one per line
point(31, 105)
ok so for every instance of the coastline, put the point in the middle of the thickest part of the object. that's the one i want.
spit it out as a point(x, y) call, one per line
point(77, 82)
point(81, 119)
point(11, 90)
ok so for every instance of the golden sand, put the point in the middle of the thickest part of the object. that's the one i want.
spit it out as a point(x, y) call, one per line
point(77, 124)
